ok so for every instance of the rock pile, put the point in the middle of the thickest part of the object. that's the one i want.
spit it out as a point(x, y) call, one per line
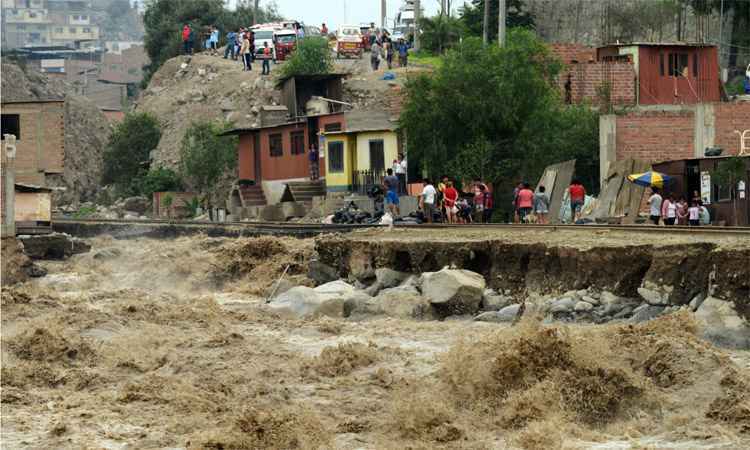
point(130, 208)
point(454, 293)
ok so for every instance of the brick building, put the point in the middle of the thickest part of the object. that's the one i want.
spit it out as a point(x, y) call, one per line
point(40, 144)
point(639, 74)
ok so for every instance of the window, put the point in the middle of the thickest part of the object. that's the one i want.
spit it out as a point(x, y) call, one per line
point(661, 64)
point(275, 145)
point(377, 156)
point(32, 14)
point(58, 30)
point(678, 63)
point(336, 156)
point(11, 124)
point(298, 142)
point(20, 26)
point(72, 29)
point(335, 126)
point(695, 64)
point(87, 30)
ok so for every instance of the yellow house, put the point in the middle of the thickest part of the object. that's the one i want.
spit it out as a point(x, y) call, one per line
point(357, 156)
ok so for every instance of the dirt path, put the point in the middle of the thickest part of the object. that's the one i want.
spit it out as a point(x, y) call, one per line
point(163, 344)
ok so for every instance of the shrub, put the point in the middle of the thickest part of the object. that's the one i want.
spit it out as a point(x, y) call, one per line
point(312, 56)
point(159, 179)
point(206, 155)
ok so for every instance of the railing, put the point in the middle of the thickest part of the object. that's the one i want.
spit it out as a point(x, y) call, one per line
point(363, 180)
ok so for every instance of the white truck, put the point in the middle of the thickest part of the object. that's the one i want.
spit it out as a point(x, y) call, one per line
point(263, 35)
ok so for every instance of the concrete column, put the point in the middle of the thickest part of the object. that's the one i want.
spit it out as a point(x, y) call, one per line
point(607, 145)
point(9, 188)
point(704, 129)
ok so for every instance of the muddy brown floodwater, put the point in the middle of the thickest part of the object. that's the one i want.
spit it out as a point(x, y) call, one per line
point(164, 344)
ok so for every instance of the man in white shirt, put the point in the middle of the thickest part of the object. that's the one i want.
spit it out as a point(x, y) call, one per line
point(655, 206)
point(427, 200)
point(399, 167)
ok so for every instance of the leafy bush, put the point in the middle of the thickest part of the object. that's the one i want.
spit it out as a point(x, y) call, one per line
point(206, 155)
point(311, 57)
point(127, 155)
point(158, 180)
point(440, 33)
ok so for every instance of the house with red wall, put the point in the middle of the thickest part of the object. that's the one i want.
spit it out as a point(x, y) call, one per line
point(669, 73)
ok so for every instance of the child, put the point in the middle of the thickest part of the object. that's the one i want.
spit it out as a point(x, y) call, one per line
point(541, 205)
point(694, 214)
point(266, 59)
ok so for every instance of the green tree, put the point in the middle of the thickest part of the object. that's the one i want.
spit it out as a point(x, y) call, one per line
point(206, 154)
point(496, 113)
point(440, 33)
point(159, 179)
point(127, 155)
point(472, 16)
point(312, 56)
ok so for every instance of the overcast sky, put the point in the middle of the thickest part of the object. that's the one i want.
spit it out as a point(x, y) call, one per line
point(338, 12)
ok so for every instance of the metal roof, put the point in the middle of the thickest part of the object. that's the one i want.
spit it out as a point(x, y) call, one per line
point(658, 44)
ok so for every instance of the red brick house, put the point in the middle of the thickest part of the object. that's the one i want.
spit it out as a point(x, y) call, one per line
point(669, 73)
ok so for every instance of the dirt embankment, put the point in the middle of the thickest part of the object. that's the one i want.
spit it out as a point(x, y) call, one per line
point(550, 264)
point(14, 262)
point(164, 344)
point(86, 130)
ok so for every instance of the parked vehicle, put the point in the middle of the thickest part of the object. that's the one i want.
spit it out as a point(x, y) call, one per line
point(265, 34)
point(349, 42)
point(286, 42)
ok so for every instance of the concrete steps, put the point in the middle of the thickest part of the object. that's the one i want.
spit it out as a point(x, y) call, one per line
point(252, 196)
point(303, 191)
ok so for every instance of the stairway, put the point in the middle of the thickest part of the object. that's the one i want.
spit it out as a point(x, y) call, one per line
point(303, 191)
point(252, 196)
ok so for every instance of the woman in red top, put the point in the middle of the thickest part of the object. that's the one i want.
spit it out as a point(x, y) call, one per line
point(450, 196)
point(525, 202)
point(577, 198)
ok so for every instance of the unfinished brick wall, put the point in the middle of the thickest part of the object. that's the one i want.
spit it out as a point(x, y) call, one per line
point(570, 53)
point(586, 82)
point(655, 135)
point(40, 148)
point(728, 118)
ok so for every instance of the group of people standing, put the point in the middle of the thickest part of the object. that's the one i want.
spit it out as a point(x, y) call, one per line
point(382, 47)
point(528, 204)
point(673, 211)
point(446, 203)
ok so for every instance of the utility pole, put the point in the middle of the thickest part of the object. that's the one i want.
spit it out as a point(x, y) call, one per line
point(501, 23)
point(417, 16)
point(486, 23)
point(382, 14)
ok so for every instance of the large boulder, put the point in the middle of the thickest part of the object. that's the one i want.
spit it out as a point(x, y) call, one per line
point(302, 301)
point(453, 291)
point(136, 204)
point(389, 278)
point(493, 301)
point(321, 273)
point(395, 302)
point(722, 325)
point(507, 314)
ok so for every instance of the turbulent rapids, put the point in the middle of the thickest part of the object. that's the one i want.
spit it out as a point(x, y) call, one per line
point(149, 343)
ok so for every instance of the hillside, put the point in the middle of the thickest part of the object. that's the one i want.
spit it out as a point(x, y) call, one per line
point(206, 88)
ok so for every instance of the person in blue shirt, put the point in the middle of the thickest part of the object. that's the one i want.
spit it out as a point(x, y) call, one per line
point(231, 43)
point(213, 40)
point(403, 52)
point(747, 85)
